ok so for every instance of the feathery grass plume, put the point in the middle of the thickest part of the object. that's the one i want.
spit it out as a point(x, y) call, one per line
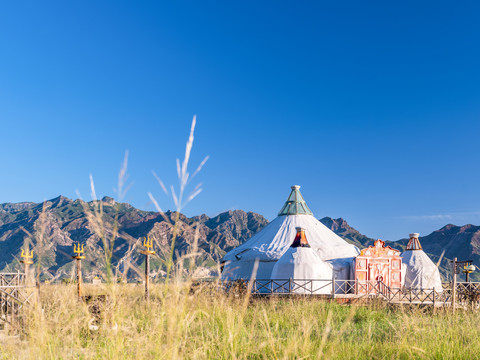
point(179, 199)
point(40, 240)
point(107, 232)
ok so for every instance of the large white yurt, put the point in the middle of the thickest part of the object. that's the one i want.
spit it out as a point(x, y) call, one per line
point(420, 272)
point(300, 270)
point(269, 244)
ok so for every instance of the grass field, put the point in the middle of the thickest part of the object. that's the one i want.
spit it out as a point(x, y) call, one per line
point(177, 323)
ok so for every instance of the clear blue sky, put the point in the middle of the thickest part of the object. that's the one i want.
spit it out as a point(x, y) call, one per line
point(372, 106)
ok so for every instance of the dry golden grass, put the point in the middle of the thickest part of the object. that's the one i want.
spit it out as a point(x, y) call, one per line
point(177, 323)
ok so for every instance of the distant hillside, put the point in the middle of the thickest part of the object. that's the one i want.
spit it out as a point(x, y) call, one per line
point(341, 228)
point(65, 222)
point(462, 242)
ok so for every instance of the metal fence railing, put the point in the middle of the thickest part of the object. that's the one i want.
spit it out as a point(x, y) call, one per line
point(292, 286)
point(467, 294)
point(14, 295)
point(8, 280)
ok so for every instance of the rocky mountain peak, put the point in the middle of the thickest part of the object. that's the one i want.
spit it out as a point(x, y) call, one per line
point(13, 207)
point(108, 200)
point(57, 202)
point(344, 230)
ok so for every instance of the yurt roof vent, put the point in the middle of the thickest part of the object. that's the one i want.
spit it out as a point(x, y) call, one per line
point(300, 239)
point(414, 243)
point(295, 204)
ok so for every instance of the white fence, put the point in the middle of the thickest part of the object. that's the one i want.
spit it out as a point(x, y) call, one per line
point(467, 294)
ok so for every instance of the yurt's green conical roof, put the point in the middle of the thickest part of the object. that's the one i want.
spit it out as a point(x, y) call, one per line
point(295, 204)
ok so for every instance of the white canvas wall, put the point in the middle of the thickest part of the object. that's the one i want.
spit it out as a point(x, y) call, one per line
point(302, 264)
point(275, 239)
point(421, 272)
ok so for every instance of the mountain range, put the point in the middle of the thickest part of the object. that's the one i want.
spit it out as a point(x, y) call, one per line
point(52, 227)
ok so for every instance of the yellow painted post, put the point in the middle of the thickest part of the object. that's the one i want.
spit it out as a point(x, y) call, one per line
point(79, 277)
point(148, 244)
point(147, 276)
point(27, 257)
point(79, 250)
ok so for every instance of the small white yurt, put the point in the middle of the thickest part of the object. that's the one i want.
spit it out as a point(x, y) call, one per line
point(420, 272)
point(257, 257)
point(301, 271)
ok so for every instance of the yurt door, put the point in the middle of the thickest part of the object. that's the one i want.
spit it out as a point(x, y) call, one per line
point(378, 271)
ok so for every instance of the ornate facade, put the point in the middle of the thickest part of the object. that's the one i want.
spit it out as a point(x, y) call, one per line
point(378, 264)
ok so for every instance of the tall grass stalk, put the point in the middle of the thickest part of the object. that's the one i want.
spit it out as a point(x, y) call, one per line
point(184, 179)
point(94, 212)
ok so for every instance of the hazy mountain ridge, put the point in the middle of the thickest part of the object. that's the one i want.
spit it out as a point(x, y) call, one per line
point(65, 222)
point(462, 242)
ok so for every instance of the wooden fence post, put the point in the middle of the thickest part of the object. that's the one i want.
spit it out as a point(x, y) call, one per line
point(433, 301)
point(454, 284)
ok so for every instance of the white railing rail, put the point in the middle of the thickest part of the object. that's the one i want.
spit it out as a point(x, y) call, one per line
point(467, 293)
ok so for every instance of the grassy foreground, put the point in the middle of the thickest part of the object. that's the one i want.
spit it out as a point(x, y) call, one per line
point(205, 325)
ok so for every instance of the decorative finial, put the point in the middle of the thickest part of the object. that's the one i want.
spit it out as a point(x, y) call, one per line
point(27, 256)
point(148, 243)
point(78, 249)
